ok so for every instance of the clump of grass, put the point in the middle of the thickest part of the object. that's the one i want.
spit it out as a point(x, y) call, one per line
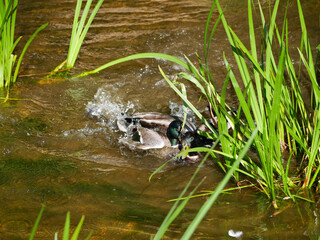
point(79, 31)
point(275, 105)
point(271, 113)
point(269, 101)
point(9, 65)
point(66, 231)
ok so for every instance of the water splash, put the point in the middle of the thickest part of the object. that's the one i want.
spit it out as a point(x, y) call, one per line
point(178, 110)
point(108, 108)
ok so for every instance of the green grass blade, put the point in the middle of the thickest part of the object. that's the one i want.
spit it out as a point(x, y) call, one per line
point(6, 14)
point(78, 229)
point(14, 45)
point(74, 46)
point(165, 225)
point(35, 226)
point(190, 105)
point(255, 58)
point(195, 71)
point(243, 68)
point(83, 18)
point(84, 31)
point(206, 43)
point(240, 96)
point(209, 192)
point(275, 115)
point(13, 20)
point(226, 145)
point(184, 92)
point(66, 230)
point(89, 236)
point(159, 168)
point(135, 57)
point(269, 39)
point(194, 81)
point(210, 39)
point(208, 204)
point(315, 149)
point(75, 26)
point(25, 49)
point(312, 76)
point(305, 35)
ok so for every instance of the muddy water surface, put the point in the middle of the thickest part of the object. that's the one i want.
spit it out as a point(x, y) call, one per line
point(53, 151)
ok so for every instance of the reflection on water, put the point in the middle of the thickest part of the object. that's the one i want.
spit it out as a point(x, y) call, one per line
point(53, 151)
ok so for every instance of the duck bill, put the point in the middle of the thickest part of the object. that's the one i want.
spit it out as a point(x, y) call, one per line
point(183, 151)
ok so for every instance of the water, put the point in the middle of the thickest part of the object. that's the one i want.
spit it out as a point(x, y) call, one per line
point(53, 151)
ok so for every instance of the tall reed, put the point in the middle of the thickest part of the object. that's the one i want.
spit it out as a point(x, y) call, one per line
point(271, 107)
point(269, 101)
point(9, 67)
point(277, 105)
point(271, 114)
point(80, 28)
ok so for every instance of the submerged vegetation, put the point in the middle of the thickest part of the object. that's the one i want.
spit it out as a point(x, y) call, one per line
point(9, 65)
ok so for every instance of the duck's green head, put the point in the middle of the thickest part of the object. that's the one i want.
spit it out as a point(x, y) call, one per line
point(174, 131)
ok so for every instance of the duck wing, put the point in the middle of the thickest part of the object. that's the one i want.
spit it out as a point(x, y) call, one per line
point(145, 139)
point(145, 119)
point(160, 120)
point(153, 119)
point(153, 139)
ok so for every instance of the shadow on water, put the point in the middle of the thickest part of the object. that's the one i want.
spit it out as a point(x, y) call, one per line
point(53, 151)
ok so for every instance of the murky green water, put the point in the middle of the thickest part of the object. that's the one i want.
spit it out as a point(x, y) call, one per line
point(52, 151)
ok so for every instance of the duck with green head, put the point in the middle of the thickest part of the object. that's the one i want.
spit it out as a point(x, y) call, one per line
point(157, 130)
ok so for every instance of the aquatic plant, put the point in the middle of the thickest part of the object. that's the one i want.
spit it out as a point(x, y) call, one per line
point(79, 30)
point(9, 67)
point(277, 106)
point(178, 207)
point(271, 113)
point(269, 102)
point(66, 231)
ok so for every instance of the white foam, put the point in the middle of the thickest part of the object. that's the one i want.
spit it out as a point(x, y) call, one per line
point(237, 234)
point(108, 108)
point(178, 110)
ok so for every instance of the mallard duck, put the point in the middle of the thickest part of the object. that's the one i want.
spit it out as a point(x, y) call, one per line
point(150, 130)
